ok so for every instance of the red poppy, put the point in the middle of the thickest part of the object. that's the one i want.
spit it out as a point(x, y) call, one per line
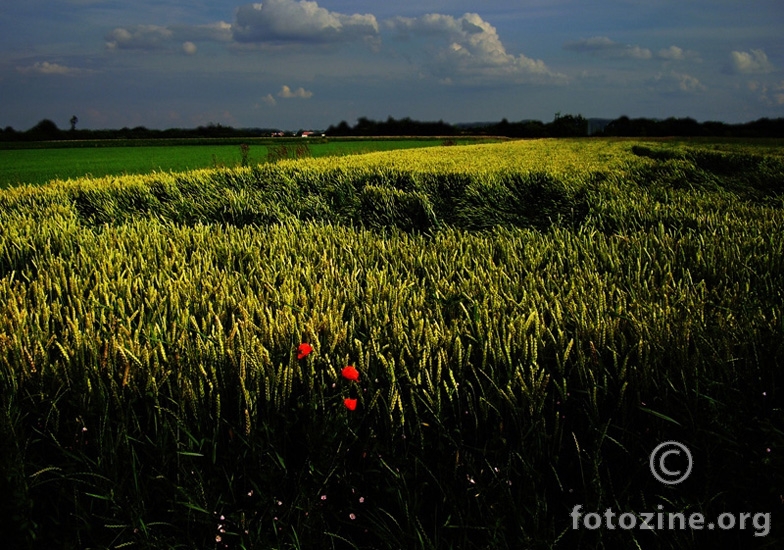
point(303, 350)
point(351, 373)
point(351, 404)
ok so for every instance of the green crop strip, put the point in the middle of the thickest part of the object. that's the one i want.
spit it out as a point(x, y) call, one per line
point(39, 163)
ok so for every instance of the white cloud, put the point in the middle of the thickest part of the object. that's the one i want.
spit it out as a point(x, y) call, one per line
point(762, 90)
point(140, 37)
point(300, 21)
point(213, 32)
point(688, 83)
point(601, 45)
point(156, 37)
point(287, 93)
point(673, 52)
point(269, 100)
point(675, 82)
point(46, 68)
point(637, 52)
point(474, 50)
point(754, 61)
point(596, 43)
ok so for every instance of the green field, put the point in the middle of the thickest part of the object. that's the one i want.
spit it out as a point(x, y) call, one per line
point(38, 163)
point(529, 320)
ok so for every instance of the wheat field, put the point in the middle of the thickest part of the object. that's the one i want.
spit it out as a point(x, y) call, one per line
point(528, 320)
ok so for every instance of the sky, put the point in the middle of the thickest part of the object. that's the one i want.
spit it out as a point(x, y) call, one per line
point(299, 64)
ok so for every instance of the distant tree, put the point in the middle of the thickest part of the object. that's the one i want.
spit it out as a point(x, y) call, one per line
point(638, 127)
point(214, 130)
point(618, 127)
point(502, 128)
point(365, 127)
point(715, 128)
point(763, 127)
point(74, 120)
point(568, 126)
point(8, 134)
point(679, 127)
point(44, 130)
point(342, 129)
point(532, 128)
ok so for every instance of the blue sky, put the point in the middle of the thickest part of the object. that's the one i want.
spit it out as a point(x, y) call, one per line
point(297, 64)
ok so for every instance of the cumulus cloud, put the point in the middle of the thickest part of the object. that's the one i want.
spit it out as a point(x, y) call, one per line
point(772, 94)
point(673, 52)
point(287, 93)
point(464, 49)
point(594, 44)
point(269, 100)
point(754, 61)
point(688, 83)
point(637, 52)
point(46, 68)
point(156, 37)
point(474, 50)
point(212, 32)
point(300, 21)
point(139, 37)
point(778, 96)
point(676, 82)
point(601, 45)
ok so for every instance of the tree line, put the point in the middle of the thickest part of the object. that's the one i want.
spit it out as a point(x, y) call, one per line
point(565, 126)
point(47, 130)
point(561, 126)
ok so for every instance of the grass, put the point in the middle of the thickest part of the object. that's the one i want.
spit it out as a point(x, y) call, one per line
point(41, 163)
point(529, 320)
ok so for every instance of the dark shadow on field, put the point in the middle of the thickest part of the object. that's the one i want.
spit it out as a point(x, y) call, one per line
point(753, 178)
point(378, 198)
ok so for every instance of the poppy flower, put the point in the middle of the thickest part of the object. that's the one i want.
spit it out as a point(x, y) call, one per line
point(351, 404)
point(351, 373)
point(303, 350)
